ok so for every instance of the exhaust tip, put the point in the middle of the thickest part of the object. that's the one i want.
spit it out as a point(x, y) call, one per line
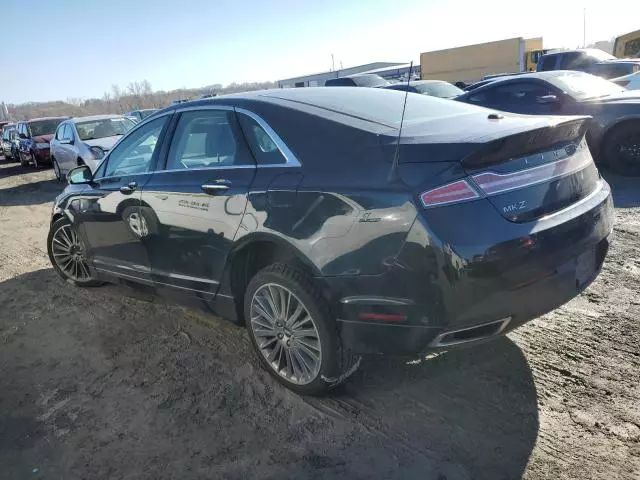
point(470, 334)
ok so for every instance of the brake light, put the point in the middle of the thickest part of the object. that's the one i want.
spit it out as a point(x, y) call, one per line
point(455, 192)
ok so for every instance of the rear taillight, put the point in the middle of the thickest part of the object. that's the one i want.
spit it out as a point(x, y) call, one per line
point(455, 192)
point(622, 83)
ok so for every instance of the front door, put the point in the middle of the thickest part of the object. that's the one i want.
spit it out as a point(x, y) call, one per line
point(192, 208)
point(111, 217)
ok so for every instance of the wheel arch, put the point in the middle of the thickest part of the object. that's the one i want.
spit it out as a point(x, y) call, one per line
point(253, 253)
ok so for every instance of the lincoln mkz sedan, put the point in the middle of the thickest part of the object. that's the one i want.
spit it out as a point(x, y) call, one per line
point(305, 215)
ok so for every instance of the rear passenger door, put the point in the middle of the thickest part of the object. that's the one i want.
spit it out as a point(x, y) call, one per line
point(193, 205)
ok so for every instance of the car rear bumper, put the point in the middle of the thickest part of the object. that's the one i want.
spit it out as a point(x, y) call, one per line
point(443, 294)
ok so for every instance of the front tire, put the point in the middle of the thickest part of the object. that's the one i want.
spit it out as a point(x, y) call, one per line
point(621, 149)
point(67, 254)
point(293, 331)
point(56, 170)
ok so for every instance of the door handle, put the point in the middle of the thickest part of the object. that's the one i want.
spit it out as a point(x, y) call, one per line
point(129, 188)
point(213, 189)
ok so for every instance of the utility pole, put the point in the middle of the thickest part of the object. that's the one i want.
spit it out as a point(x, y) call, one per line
point(333, 67)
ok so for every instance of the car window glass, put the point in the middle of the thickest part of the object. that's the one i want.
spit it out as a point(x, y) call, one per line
point(134, 153)
point(520, 93)
point(205, 139)
point(59, 132)
point(68, 132)
point(262, 145)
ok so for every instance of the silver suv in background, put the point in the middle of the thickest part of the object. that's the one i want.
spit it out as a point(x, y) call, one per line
point(85, 141)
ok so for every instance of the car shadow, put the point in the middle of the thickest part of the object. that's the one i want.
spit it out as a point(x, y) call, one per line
point(476, 406)
point(34, 193)
point(8, 169)
point(625, 190)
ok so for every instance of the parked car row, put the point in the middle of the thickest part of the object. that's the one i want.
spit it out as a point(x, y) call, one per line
point(63, 142)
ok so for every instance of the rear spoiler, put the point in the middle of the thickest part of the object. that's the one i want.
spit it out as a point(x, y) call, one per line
point(528, 143)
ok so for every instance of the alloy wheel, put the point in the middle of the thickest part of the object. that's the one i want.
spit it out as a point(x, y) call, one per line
point(138, 224)
point(69, 254)
point(630, 149)
point(286, 334)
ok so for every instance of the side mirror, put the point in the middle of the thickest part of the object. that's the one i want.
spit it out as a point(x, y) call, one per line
point(22, 135)
point(546, 99)
point(80, 175)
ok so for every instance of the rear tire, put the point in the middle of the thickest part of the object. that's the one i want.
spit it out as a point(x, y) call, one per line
point(303, 351)
point(621, 149)
point(70, 263)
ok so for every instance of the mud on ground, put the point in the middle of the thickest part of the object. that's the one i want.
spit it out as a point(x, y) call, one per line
point(114, 383)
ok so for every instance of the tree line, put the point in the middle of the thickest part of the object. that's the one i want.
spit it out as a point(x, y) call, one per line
point(135, 96)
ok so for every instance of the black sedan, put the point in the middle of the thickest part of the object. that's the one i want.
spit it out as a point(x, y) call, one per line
point(435, 88)
point(614, 130)
point(307, 216)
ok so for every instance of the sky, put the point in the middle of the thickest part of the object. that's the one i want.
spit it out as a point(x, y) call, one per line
point(79, 48)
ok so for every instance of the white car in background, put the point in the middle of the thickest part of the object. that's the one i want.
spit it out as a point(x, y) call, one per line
point(85, 141)
point(630, 82)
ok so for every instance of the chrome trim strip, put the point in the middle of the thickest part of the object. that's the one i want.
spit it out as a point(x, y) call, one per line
point(437, 342)
point(149, 280)
point(291, 159)
point(497, 183)
point(373, 300)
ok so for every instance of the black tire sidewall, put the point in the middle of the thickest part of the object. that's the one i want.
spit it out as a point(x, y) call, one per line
point(54, 227)
point(610, 150)
point(287, 277)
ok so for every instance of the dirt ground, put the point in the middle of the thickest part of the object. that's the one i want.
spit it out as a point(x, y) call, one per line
point(114, 383)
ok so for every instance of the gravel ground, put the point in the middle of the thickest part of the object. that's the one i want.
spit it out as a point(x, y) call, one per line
point(114, 383)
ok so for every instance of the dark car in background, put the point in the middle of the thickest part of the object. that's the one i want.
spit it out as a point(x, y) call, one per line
point(360, 80)
point(141, 114)
point(592, 61)
point(458, 230)
point(614, 129)
point(10, 145)
point(434, 88)
point(34, 137)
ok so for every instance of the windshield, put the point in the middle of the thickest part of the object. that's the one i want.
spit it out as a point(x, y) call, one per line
point(44, 127)
point(438, 89)
point(146, 113)
point(105, 127)
point(370, 81)
point(582, 86)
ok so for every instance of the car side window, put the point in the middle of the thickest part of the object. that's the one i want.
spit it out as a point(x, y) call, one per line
point(68, 132)
point(520, 93)
point(485, 97)
point(60, 131)
point(264, 148)
point(134, 153)
point(207, 139)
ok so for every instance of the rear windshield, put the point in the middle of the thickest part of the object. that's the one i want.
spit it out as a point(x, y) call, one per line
point(370, 81)
point(583, 86)
point(380, 105)
point(438, 89)
point(44, 127)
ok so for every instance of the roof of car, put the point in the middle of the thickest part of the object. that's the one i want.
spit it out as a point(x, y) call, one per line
point(91, 118)
point(39, 119)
